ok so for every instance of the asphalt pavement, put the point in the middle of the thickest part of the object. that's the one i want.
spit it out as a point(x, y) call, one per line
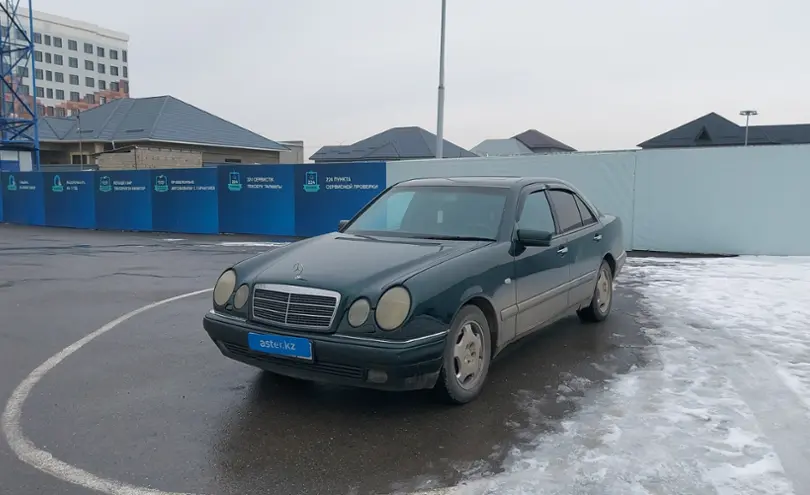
point(152, 403)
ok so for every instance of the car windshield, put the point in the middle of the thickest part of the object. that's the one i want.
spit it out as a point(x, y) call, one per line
point(435, 212)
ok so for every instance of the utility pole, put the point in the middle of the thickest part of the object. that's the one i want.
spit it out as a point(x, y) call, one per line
point(747, 114)
point(440, 110)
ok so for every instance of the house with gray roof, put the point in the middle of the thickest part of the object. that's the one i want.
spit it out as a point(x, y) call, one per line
point(530, 142)
point(715, 130)
point(163, 131)
point(398, 143)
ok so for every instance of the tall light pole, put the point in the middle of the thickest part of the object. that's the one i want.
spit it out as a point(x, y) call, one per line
point(747, 114)
point(440, 110)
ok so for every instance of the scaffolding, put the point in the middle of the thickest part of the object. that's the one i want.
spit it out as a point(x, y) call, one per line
point(19, 116)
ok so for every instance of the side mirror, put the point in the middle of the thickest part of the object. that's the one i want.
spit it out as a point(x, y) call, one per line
point(342, 224)
point(534, 237)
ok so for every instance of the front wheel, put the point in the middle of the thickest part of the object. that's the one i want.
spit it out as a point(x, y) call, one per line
point(602, 300)
point(466, 357)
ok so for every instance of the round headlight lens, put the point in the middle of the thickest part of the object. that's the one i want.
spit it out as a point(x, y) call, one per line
point(358, 312)
point(224, 287)
point(393, 308)
point(241, 296)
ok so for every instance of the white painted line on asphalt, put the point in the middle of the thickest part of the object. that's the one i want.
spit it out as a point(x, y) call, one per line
point(44, 461)
point(252, 244)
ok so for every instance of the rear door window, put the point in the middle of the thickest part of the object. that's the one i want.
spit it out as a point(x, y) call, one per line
point(565, 210)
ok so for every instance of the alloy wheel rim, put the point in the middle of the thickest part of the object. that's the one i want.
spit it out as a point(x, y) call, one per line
point(468, 355)
point(603, 291)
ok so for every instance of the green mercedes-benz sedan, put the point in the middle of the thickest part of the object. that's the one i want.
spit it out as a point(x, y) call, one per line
point(423, 287)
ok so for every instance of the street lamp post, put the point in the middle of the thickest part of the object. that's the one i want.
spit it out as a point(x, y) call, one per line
point(440, 110)
point(747, 114)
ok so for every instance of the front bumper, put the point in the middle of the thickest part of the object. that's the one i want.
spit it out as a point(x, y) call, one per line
point(337, 359)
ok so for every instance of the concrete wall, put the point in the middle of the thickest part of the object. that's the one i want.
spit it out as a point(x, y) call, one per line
point(149, 158)
point(296, 153)
point(737, 200)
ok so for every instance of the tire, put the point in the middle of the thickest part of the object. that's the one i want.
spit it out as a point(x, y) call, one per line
point(598, 310)
point(470, 323)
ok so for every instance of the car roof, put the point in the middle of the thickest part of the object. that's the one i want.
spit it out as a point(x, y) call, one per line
point(508, 182)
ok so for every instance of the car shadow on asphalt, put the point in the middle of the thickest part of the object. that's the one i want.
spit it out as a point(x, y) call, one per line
point(365, 441)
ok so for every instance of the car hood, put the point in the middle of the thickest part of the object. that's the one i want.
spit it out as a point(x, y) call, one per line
point(357, 264)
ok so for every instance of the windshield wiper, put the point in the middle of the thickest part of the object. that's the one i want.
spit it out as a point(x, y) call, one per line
point(456, 238)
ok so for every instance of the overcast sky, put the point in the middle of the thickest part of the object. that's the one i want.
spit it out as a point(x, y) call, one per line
point(595, 74)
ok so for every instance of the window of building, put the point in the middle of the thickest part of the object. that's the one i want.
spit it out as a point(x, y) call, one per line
point(74, 112)
point(37, 38)
point(124, 55)
point(40, 92)
point(90, 98)
point(102, 100)
point(60, 94)
point(75, 158)
point(48, 58)
point(60, 112)
point(20, 35)
point(40, 110)
point(74, 79)
point(38, 74)
point(73, 45)
point(88, 48)
point(59, 77)
point(23, 89)
point(102, 69)
point(58, 60)
point(48, 75)
point(49, 93)
point(74, 96)
point(113, 70)
point(114, 86)
point(125, 87)
point(48, 39)
point(73, 62)
point(38, 55)
point(89, 82)
point(102, 85)
point(49, 111)
point(114, 54)
point(57, 42)
point(88, 65)
point(125, 71)
point(22, 71)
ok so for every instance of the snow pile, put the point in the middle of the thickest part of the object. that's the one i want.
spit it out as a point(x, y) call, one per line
point(724, 408)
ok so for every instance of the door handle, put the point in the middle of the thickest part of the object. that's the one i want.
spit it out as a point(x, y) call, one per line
point(597, 237)
point(562, 250)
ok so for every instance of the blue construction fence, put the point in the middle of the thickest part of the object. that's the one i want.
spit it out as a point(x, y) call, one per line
point(280, 200)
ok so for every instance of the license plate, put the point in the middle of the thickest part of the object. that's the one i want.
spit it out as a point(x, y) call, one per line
point(280, 345)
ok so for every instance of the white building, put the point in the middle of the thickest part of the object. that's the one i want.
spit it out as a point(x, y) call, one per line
point(77, 65)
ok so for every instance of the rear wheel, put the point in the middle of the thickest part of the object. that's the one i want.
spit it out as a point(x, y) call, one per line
point(466, 357)
point(602, 300)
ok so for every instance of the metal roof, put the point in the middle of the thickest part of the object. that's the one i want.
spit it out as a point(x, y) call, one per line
point(501, 147)
point(162, 119)
point(715, 130)
point(536, 140)
point(398, 143)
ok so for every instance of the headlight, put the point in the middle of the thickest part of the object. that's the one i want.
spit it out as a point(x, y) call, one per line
point(393, 308)
point(358, 312)
point(241, 296)
point(224, 287)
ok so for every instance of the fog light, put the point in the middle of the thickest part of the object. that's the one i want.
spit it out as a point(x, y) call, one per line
point(377, 376)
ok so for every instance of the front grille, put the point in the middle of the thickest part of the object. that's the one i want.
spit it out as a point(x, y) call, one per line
point(326, 368)
point(295, 307)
